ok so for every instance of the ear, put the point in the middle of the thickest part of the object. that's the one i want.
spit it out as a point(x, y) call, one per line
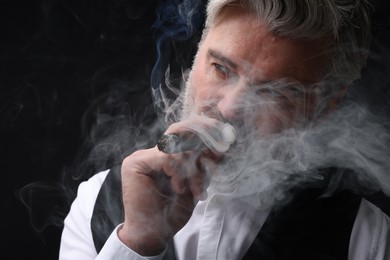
point(336, 98)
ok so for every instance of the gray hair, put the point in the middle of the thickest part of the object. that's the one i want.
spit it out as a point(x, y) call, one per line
point(345, 22)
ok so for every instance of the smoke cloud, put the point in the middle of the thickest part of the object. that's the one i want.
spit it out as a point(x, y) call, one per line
point(118, 114)
point(354, 139)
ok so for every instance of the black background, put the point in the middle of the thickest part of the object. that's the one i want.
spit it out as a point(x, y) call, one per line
point(73, 75)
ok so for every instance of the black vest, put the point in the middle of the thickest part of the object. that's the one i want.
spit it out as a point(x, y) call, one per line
point(310, 226)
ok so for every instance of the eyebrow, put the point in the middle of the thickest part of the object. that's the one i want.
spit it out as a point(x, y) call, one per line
point(219, 56)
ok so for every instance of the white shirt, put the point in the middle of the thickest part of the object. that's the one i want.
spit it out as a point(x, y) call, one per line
point(214, 231)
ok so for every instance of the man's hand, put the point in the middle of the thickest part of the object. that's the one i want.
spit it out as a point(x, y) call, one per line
point(159, 194)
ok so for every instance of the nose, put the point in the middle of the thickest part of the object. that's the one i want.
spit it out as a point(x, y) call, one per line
point(231, 103)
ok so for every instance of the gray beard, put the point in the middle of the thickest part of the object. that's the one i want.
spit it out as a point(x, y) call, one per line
point(351, 138)
point(187, 99)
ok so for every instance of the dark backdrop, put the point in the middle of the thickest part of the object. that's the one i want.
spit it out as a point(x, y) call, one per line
point(74, 76)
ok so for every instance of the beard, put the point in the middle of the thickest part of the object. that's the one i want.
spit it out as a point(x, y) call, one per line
point(187, 99)
point(265, 167)
point(256, 165)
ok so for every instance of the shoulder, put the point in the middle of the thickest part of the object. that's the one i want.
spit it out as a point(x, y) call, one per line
point(107, 212)
point(76, 235)
point(372, 219)
point(90, 188)
point(87, 193)
point(371, 232)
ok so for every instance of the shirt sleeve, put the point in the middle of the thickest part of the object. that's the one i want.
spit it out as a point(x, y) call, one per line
point(370, 238)
point(76, 238)
point(115, 249)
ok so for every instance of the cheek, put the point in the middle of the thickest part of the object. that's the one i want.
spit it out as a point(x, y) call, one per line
point(291, 113)
point(272, 118)
point(204, 90)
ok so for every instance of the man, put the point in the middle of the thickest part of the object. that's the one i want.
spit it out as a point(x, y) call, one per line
point(269, 70)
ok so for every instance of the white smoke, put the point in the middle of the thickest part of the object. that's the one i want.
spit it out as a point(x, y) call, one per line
point(351, 140)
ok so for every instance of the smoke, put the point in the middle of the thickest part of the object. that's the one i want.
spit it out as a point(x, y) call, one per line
point(178, 21)
point(114, 43)
point(45, 204)
point(352, 140)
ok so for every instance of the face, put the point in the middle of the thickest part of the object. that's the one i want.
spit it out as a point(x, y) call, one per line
point(248, 76)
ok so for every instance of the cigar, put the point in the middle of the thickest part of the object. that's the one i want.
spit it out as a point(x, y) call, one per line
point(180, 142)
point(217, 141)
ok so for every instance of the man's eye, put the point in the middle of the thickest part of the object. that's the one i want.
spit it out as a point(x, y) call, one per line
point(269, 92)
point(281, 91)
point(222, 70)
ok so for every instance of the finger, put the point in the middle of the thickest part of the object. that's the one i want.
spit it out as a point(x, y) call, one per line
point(201, 181)
point(197, 184)
point(159, 167)
point(147, 162)
point(188, 171)
point(178, 168)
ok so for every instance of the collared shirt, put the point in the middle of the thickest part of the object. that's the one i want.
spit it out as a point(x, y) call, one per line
point(221, 227)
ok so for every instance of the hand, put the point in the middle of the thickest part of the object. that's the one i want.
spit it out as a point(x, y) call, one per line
point(159, 194)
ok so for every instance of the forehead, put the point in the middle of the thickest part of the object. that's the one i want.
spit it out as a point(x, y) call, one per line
point(244, 39)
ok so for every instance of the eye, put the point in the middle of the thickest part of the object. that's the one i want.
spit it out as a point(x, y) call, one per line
point(221, 70)
point(281, 90)
point(269, 92)
point(295, 90)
